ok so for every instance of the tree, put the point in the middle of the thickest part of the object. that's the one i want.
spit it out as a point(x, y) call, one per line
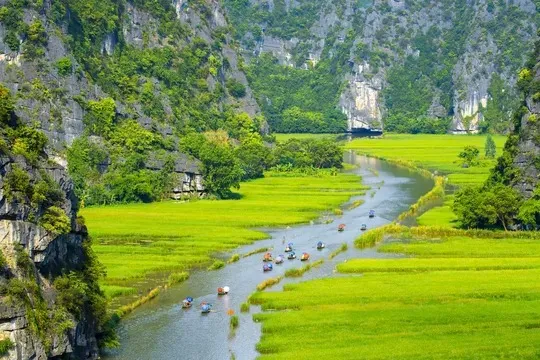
point(469, 154)
point(221, 169)
point(100, 116)
point(504, 202)
point(6, 104)
point(490, 147)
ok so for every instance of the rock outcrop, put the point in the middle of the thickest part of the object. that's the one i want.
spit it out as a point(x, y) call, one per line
point(33, 258)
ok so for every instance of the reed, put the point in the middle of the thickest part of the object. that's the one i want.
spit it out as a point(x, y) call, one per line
point(176, 278)
point(338, 251)
point(216, 265)
point(256, 251)
point(297, 272)
point(244, 307)
point(234, 258)
point(268, 282)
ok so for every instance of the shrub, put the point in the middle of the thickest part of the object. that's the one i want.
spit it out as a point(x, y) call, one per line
point(5, 346)
point(218, 264)
point(64, 66)
point(236, 88)
point(55, 221)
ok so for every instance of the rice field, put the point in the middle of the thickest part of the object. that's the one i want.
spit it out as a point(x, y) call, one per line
point(432, 152)
point(141, 244)
point(458, 298)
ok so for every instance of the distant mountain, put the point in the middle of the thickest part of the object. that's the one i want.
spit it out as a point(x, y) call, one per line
point(414, 66)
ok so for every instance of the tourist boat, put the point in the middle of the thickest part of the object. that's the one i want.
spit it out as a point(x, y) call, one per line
point(320, 245)
point(223, 290)
point(267, 257)
point(363, 227)
point(341, 227)
point(279, 259)
point(305, 256)
point(267, 267)
point(206, 307)
point(291, 255)
point(371, 213)
point(289, 247)
point(187, 302)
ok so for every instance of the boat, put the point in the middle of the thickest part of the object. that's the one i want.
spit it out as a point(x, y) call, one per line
point(206, 307)
point(267, 267)
point(371, 213)
point(186, 303)
point(363, 227)
point(291, 255)
point(305, 256)
point(279, 259)
point(289, 247)
point(341, 227)
point(267, 257)
point(320, 245)
point(223, 290)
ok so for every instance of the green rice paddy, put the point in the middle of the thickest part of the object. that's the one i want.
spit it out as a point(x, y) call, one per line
point(459, 298)
point(141, 244)
point(432, 152)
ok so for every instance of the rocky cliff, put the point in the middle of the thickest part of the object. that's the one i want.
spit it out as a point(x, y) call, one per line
point(50, 303)
point(423, 58)
point(519, 166)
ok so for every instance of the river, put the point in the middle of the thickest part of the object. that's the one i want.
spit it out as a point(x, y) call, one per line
point(162, 330)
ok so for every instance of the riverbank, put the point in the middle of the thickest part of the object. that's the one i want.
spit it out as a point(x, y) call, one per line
point(143, 245)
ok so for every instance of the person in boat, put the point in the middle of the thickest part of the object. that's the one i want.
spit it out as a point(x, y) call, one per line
point(305, 256)
point(341, 227)
point(267, 257)
point(186, 303)
point(267, 267)
point(279, 259)
point(223, 290)
point(363, 227)
point(371, 213)
point(206, 307)
point(320, 245)
point(291, 255)
point(289, 247)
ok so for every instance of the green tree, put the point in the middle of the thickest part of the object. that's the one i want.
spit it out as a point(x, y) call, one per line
point(221, 169)
point(100, 116)
point(490, 147)
point(469, 155)
point(7, 105)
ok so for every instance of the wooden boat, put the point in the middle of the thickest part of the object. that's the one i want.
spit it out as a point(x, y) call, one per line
point(223, 290)
point(267, 267)
point(363, 227)
point(206, 307)
point(371, 213)
point(305, 257)
point(291, 255)
point(186, 303)
point(320, 245)
point(341, 227)
point(267, 257)
point(279, 259)
point(289, 247)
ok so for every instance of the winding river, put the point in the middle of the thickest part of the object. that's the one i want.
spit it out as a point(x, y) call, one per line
point(162, 330)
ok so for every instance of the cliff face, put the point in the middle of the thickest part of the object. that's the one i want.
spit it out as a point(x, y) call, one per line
point(519, 166)
point(451, 49)
point(50, 303)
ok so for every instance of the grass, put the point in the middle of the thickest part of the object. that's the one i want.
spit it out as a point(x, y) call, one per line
point(244, 307)
point(439, 216)
point(338, 251)
point(137, 241)
point(297, 272)
point(216, 265)
point(234, 258)
point(432, 152)
point(268, 282)
point(465, 295)
point(176, 278)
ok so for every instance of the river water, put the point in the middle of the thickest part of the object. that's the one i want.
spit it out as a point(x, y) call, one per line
point(162, 330)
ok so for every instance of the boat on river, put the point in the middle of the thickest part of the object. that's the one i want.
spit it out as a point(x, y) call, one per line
point(320, 245)
point(187, 302)
point(371, 213)
point(223, 290)
point(304, 257)
point(279, 259)
point(267, 267)
point(291, 256)
point(206, 308)
point(289, 247)
point(267, 257)
point(363, 227)
point(341, 227)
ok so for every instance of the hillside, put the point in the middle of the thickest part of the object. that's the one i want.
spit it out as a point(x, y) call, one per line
point(415, 66)
point(119, 83)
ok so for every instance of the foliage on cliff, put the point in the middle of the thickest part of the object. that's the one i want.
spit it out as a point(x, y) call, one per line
point(512, 193)
point(430, 55)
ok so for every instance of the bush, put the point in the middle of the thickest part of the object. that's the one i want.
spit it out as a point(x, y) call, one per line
point(217, 264)
point(5, 346)
point(64, 66)
point(236, 88)
point(55, 221)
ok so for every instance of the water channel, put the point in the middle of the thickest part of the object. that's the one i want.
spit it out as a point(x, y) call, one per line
point(162, 330)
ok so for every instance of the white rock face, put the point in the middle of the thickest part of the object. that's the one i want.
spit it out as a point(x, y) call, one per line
point(360, 101)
